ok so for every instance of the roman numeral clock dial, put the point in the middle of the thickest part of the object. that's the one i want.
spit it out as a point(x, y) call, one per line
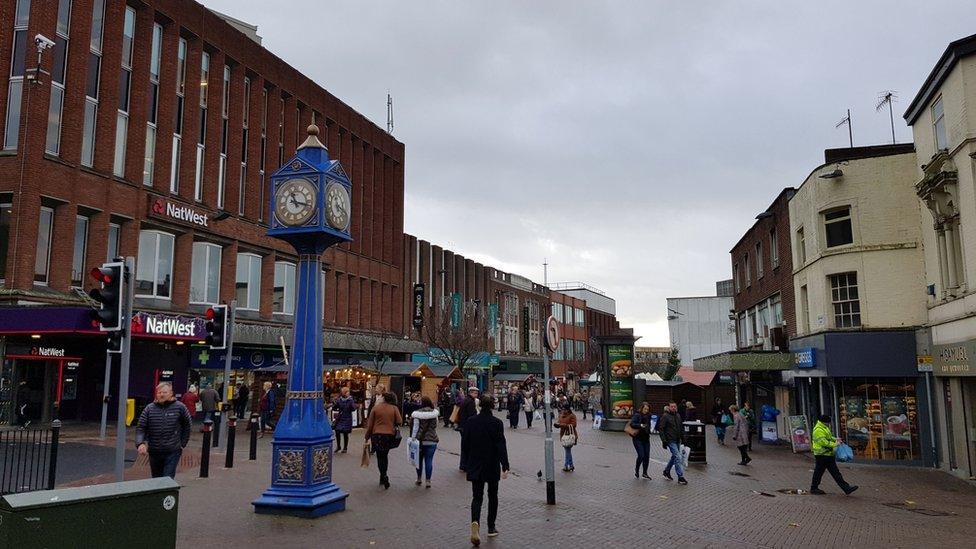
point(295, 202)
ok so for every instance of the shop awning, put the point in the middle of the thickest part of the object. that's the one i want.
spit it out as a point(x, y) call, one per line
point(446, 371)
point(745, 361)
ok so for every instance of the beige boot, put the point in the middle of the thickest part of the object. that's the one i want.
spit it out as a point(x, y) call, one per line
point(475, 538)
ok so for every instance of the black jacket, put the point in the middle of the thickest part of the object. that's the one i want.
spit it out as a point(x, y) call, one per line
point(484, 444)
point(468, 410)
point(164, 427)
point(515, 402)
point(669, 426)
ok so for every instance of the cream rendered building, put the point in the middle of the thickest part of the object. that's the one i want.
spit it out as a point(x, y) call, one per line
point(860, 297)
point(943, 121)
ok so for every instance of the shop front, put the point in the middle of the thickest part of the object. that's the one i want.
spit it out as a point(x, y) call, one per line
point(868, 383)
point(42, 380)
point(954, 368)
point(249, 365)
point(757, 377)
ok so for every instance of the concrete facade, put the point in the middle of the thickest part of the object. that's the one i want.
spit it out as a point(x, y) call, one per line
point(700, 326)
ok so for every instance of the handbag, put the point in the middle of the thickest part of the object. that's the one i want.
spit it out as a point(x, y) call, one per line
point(364, 462)
point(397, 438)
point(569, 439)
point(685, 454)
point(631, 430)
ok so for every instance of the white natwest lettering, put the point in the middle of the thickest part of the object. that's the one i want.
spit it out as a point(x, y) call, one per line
point(184, 213)
point(169, 326)
point(50, 351)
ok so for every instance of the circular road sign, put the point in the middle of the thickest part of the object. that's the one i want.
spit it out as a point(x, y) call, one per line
point(552, 334)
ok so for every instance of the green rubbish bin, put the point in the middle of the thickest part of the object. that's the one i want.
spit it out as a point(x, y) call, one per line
point(135, 513)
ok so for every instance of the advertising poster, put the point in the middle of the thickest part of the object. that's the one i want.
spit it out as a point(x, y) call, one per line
point(857, 422)
point(894, 414)
point(799, 434)
point(621, 365)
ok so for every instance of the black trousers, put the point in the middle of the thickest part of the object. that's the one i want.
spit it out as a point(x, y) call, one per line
point(383, 462)
point(528, 419)
point(827, 463)
point(340, 437)
point(477, 496)
point(513, 419)
point(744, 453)
point(164, 464)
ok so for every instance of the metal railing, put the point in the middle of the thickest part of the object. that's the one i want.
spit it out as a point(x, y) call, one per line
point(28, 459)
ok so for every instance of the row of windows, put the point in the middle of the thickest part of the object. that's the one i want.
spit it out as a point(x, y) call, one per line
point(757, 321)
point(759, 262)
point(570, 349)
point(568, 314)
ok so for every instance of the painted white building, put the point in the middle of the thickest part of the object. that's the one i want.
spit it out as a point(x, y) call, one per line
point(700, 326)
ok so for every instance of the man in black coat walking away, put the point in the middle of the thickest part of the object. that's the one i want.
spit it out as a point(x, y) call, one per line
point(484, 443)
point(515, 402)
point(163, 431)
point(468, 410)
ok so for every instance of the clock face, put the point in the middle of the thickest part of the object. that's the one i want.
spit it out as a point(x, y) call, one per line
point(337, 206)
point(295, 202)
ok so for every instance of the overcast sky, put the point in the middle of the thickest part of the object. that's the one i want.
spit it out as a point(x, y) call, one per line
point(629, 143)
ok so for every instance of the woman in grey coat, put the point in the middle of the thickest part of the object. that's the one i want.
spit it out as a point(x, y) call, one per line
point(740, 434)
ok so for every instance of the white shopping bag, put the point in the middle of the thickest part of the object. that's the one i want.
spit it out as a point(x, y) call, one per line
point(413, 452)
point(537, 415)
point(685, 452)
point(598, 421)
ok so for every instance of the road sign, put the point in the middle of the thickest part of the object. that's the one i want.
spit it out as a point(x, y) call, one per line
point(925, 363)
point(552, 334)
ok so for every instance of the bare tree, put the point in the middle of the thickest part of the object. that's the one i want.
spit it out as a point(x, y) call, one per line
point(456, 346)
point(378, 345)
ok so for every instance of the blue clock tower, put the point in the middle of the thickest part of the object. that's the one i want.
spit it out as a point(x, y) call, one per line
point(310, 209)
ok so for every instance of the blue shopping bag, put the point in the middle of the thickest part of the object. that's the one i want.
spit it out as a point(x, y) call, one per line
point(844, 453)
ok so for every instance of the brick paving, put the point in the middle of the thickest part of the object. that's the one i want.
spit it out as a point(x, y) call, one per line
point(601, 502)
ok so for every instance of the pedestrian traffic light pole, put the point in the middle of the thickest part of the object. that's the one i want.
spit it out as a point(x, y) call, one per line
point(128, 283)
point(228, 358)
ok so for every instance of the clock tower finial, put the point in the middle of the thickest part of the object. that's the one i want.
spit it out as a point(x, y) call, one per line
point(313, 137)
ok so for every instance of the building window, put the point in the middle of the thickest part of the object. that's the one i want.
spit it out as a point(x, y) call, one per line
point(15, 87)
point(60, 52)
point(557, 311)
point(801, 248)
point(748, 270)
point(773, 248)
point(804, 310)
point(741, 325)
point(42, 259)
point(78, 253)
point(154, 270)
point(242, 185)
point(284, 288)
point(248, 283)
point(224, 124)
point(6, 214)
point(114, 236)
point(174, 163)
point(155, 53)
point(838, 227)
point(843, 295)
point(125, 87)
point(511, 342)
point(201, 142)
point(759, 260)
point(580, 318)
point(535, 329)
point(938, 125)
point(92, 82)
point(580, 350)
point(205, 273)
point(776, 308)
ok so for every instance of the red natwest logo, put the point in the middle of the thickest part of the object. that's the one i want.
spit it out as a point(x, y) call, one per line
point(159, 207)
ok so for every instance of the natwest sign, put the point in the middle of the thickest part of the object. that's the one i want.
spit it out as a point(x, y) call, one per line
point(164, 208)
point(157, 325)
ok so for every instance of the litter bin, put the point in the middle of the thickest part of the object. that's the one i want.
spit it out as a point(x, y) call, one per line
point(694, 436)
point(122, 514)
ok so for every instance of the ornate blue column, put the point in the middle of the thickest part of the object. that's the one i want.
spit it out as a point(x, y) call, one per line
point(308, 212)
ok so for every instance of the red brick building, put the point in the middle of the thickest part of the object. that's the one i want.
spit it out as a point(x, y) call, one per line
point(149, 131)
point(572, 356)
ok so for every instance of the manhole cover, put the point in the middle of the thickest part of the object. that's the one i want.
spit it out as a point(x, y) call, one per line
point(792, 491)
point(737, 474)
point(919, 510)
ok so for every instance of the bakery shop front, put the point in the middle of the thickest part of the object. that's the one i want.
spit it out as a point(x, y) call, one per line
point(868, 382)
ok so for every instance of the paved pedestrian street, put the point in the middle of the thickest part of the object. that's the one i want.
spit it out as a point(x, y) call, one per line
point(725, 505)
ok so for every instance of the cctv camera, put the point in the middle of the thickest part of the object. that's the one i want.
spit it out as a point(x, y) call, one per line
point(43, 42)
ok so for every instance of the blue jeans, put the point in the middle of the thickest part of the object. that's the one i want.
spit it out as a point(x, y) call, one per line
point(427, 460)
point(643, 448)
point(675, 460)
point(569, 456)
point(164, 464)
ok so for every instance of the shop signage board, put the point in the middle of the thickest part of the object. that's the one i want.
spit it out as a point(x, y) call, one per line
point(769, 433)
point(925, 363)
point(242, 359)
point(799, 433)
point(492, 318)
point(418, 305)
point(172, 211)
point(621, 361)
point(805, 358)
point(954, 359)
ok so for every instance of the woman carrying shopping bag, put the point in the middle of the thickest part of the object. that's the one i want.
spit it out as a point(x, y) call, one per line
point(424, 431)
point(382, 429)
point(568, 435)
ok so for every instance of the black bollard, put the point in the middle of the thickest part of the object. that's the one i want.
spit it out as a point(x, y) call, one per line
point(216, 427)
point(231, 435)
point(253, 454)
point(205, 453)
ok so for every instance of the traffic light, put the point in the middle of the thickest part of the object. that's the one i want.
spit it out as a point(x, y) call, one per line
point(114, 342)
point(108, 317)
point(217, 327)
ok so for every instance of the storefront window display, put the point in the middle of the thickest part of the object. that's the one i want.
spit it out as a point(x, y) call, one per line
point(879, 418)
